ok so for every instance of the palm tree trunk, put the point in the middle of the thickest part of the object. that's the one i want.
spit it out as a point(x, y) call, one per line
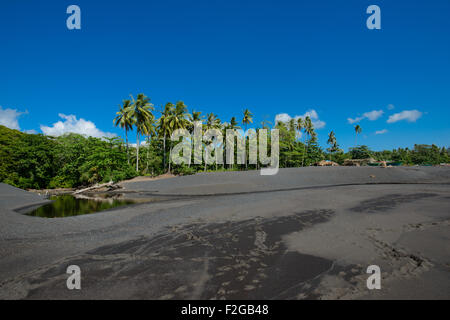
point(126, 139)
point(304, 153)
point(148, 152)
point(246, 153)
point(164, 148)
point(205, 159)
point(137, 152)
point(170, 153)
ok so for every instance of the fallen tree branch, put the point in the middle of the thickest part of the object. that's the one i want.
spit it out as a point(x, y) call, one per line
point(96, 186)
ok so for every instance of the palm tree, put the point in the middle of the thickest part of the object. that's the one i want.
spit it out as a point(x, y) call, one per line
point(232, 125)
point(124, 121)
point(140, 112)
point(309, 130)
point(193, 117)
point(358, 130)
point(149, 130)
point(265, 124)
point(247, 119)
point(178, 119)
point(309, 127)
point(332, 142)
point(300, 125)
point(212, 122)
point(164, 128)
point(292, 125)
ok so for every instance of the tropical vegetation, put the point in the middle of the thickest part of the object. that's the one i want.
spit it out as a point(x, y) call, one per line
point(73, 160)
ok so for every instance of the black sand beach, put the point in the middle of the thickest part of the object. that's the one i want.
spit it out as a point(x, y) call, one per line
point(306, 233)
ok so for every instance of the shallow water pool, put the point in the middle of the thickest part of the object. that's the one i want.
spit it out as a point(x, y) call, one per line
point(68, 205)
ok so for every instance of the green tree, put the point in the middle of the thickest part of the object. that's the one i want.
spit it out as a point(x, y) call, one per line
point(178, 119)
point(246, 120)
point(124, 121)
point(358, 130)
point(140, 112)
point(334, 147)
point(163, 127)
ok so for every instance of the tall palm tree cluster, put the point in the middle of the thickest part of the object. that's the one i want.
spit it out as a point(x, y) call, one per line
point(138, 114)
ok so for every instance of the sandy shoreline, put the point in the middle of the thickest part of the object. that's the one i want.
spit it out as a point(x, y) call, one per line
point(304, 233)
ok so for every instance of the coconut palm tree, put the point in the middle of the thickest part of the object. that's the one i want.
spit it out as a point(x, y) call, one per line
point(265, 124)
point(149, 130)
point(164, 128)
point(178, 119)
point(300, 125)
point(140, 111)
point(358, 130)
point(193, 117)
point(124, 121)
point(309, 127)
point(247, 119)
point(232, 125)
point(292, 125)
point(212, 122)
point(309, 130)
point(332, 142)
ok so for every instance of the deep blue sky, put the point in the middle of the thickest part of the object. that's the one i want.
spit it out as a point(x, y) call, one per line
point(223, 56)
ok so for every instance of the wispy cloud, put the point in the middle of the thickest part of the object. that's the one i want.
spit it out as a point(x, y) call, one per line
point(142, 143)
point(318, 124)
point(408, 115)
point(372, 116)
point(390, 107)
point(381, 131)
point(74, 125)
point(10, 118)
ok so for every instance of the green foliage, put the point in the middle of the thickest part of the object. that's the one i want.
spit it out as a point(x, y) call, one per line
point(184, 170)
point(360, 152)
point(37, 161)
point(72, 160)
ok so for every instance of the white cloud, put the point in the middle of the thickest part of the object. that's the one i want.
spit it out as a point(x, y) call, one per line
point(357, 119)
point(9, 118)
point(372, 116)
point(390, 107)
point(74, 125)
point(283, 117)
point(381, 131)
point(318, 124)
point(32, 131)
point(141, 143)
point(408, 115)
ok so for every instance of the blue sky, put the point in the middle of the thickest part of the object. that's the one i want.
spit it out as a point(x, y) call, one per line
point(273, 57)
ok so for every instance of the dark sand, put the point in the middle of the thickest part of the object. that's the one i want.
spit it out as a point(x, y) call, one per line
point(306, 233)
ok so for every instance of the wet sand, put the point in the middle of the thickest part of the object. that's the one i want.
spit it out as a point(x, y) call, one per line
point(306, 233)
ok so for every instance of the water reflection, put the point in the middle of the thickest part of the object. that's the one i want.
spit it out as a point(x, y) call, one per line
point(68, 205)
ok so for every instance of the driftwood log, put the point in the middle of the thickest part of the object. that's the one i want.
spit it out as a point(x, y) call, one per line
point(110, 185)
